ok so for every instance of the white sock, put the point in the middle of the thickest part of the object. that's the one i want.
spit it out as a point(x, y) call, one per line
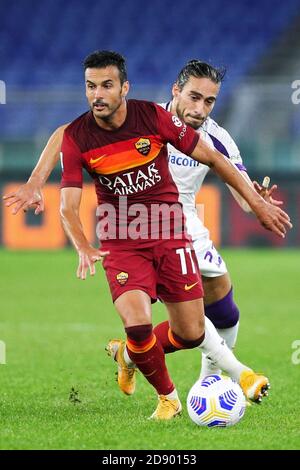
point(216, 350)
point(208, 367)
point(230, 335)
point(173, 395)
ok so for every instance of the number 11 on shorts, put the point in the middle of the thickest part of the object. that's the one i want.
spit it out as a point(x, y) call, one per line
point(183, 252)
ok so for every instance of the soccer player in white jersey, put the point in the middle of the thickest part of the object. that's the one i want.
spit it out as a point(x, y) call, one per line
point(194, 96)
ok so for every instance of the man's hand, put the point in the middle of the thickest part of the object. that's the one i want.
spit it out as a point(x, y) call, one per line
point(28, 196)
point(87, 258)
point(266, 192)
point(273, 218)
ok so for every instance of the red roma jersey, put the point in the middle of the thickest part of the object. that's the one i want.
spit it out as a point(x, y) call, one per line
point(128, 164)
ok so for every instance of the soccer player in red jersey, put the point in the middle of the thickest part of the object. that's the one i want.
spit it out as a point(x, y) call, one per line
point(122, 144)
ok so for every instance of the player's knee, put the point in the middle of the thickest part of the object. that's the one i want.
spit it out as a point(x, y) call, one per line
point(224, 313)
point(191, 331)
point(132, 316)
point(134, 309)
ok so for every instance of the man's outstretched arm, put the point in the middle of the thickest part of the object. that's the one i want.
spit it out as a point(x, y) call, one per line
point(29, 194)
point(270, 216)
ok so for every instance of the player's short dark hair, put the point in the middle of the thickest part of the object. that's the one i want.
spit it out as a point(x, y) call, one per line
point(197, 68)
point(102, 59)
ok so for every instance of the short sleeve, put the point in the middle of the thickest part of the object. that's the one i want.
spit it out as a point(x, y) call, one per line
point(172, 130)
point(71, 163)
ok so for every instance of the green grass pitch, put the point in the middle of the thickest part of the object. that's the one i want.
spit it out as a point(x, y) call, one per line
point(58, 388)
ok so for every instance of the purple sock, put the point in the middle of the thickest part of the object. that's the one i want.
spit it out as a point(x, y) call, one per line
point(224, 313)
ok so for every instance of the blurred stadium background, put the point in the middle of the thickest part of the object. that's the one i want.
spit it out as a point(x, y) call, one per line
point(55, 328)
point(42, 46)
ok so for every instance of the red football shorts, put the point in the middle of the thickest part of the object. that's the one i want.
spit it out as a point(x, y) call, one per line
point(168, 270)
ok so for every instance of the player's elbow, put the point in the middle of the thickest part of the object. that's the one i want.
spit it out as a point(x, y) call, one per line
point(65, 212)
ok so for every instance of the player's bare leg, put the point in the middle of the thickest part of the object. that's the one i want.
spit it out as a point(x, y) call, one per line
point(215, 288)
point(143, 350)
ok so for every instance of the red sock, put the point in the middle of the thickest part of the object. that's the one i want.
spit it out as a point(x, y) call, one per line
point(148, 355)
point(170, 341)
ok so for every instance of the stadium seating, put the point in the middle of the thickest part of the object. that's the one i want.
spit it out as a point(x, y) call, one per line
point(42, 45)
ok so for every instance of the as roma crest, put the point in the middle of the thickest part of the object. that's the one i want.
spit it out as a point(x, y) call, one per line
point(122, 278)
point(143, 146)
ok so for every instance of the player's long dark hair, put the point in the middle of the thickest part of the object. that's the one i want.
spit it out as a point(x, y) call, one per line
point(102, 59)
point(197, 68)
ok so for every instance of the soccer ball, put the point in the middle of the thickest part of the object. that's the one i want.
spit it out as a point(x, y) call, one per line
point(216, 401)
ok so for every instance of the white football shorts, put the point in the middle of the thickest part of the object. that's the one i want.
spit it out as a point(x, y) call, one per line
point(210, 261)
